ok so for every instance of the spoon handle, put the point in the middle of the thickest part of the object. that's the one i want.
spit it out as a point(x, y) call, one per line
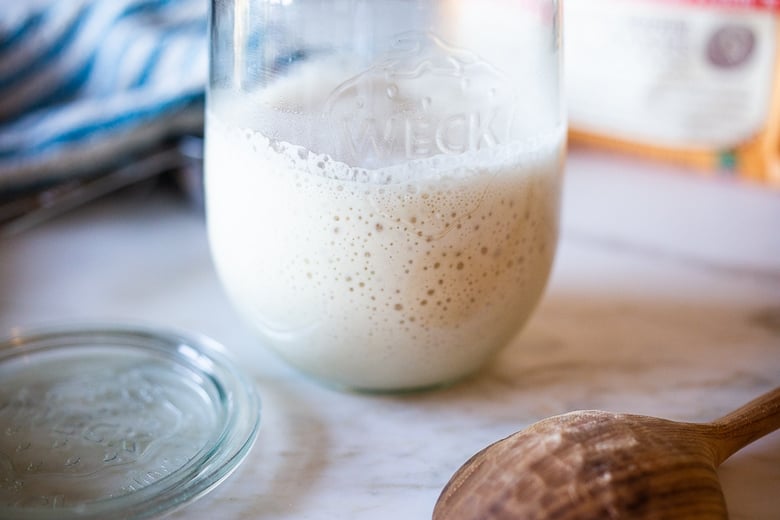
point(746, 424)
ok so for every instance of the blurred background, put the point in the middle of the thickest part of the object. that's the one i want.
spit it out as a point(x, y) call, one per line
point(96, 95)
point(693, 82)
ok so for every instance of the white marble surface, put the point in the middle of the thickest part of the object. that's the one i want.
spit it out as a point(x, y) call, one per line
point(665, 300)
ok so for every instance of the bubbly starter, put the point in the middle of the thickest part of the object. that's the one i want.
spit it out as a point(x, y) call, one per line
point(398, 276)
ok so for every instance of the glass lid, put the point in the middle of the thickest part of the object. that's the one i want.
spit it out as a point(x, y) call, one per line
point(117, 422)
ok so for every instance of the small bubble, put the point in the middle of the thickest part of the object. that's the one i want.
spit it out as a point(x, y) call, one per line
point(379, 227)
point(392, 91)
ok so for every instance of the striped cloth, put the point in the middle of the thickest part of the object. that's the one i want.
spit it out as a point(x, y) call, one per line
point(85, 84)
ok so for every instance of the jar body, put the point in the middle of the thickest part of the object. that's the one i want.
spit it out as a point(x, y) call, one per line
point(383, 179)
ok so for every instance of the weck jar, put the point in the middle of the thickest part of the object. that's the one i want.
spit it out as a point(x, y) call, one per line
point(383, 179)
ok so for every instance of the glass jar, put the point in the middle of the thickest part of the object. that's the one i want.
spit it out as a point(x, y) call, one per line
point(383, 179)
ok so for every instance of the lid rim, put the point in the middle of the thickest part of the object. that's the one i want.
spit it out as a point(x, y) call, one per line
point(236, 403)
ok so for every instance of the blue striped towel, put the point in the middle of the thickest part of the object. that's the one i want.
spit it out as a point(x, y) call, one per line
point(85, 84)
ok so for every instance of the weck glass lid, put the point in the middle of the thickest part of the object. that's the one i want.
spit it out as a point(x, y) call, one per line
point(117, 422)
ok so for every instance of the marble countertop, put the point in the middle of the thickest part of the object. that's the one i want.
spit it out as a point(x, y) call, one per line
point(664, 300)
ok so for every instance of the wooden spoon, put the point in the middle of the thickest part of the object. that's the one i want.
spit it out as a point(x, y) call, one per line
point(593, 464)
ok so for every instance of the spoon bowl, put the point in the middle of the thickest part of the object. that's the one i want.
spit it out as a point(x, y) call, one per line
point(594, 464)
